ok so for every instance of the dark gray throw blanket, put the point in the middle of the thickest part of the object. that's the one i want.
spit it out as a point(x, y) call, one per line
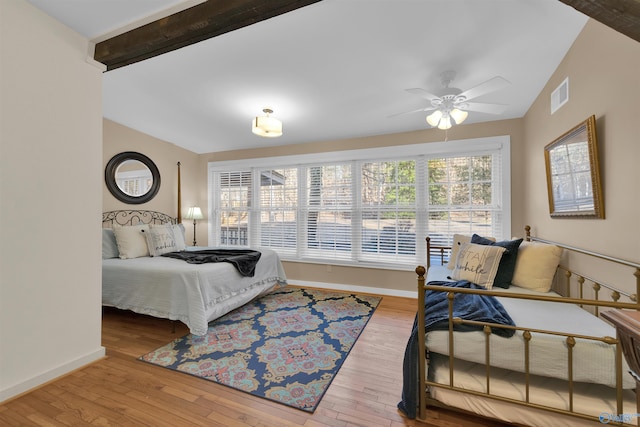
point(244, 260)
point(481, 308)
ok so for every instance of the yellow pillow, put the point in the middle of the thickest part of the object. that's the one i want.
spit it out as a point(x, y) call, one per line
point(536, 266)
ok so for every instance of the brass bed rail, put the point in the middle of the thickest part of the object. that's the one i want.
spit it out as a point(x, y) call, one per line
point(442, 251)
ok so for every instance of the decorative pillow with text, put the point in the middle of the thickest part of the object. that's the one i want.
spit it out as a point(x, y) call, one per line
point(478, 264)
point(507, 263)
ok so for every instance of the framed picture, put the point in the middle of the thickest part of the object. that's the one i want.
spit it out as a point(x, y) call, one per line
point(573, 173)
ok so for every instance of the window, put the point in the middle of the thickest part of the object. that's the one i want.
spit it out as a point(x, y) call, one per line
point(363, 207)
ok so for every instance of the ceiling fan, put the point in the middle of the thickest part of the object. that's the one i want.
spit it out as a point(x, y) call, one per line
point(454, 104)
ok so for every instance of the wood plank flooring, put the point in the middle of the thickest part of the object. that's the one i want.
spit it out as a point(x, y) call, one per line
point(122, 391)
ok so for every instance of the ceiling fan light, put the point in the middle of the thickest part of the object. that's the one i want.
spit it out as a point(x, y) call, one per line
point(266, 126)
point(434, 118)
point(458, 115)
point(445, 123)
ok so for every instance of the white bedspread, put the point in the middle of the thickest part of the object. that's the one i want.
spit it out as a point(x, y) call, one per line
point(593, 361)
point(195, 294)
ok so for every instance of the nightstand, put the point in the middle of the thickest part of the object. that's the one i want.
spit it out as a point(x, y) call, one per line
point(627, 325)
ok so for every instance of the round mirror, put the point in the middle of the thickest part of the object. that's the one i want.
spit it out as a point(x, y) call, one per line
point(132, 177)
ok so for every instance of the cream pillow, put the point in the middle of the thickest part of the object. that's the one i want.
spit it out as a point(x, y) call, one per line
point(478, 264)
point(458, 240)
point(536, 266)
point(131, 241)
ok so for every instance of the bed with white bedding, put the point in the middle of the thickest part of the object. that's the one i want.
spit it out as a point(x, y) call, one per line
point(194, 294)
point(561, 366)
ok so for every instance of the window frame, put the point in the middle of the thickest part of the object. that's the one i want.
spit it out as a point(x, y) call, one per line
point(467, 147)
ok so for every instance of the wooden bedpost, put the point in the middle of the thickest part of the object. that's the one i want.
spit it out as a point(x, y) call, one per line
point(527, 233)
point(179, 216)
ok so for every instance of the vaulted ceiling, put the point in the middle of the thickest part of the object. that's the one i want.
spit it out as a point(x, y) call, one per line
point(196, 72)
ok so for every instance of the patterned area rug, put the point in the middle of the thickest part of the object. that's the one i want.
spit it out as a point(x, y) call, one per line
point(286, 346)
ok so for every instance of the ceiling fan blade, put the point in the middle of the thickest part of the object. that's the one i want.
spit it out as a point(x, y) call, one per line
point(490, 85)
point(481, 107)
point(422, 93)
point(413, 111)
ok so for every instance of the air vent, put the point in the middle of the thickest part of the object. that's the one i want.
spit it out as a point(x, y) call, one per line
point(560, 96)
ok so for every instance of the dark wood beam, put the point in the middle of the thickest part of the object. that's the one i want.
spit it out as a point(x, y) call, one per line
point(209, 19)
point(621, 15)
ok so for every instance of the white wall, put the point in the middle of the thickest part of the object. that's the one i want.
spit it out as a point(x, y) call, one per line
point(50, 200)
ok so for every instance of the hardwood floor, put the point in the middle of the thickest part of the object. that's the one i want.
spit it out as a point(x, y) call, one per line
point(122, 391)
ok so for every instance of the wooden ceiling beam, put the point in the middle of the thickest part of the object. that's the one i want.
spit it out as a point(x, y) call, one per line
point(621, 15)
point(215, 17)
point(201, 22)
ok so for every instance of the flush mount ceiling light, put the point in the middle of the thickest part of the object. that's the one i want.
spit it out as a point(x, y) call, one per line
point(266, 125)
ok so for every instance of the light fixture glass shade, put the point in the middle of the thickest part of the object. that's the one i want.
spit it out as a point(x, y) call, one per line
point(266, 126)
point(458, 115)
point(434, 118)
point(445, 123)
point(194, 213)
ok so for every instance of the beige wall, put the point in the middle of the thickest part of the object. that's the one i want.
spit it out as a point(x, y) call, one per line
point(118, 138)
point(603, 68)
point(50, 158)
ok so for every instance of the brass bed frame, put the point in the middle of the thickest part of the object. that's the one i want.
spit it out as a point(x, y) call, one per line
point(582, 281)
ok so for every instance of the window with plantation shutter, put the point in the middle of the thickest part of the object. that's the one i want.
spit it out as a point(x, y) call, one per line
point(232, 208)
point(277, 210)
point(388, 211)
point(464, 197)
point(328, 211)
point(371, 207)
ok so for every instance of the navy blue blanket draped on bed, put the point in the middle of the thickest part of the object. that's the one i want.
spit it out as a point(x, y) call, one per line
point(481, 308)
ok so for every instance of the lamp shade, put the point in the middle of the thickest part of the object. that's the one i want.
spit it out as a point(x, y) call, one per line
point(267, 126)
point(194, 213)
point(445, 123)
point(458, 115)
point(434, 118)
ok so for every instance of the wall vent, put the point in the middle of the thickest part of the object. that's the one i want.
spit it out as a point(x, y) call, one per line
point(560, 96)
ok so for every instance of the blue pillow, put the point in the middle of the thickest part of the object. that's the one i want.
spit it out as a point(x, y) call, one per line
point(508, 261)
point(109, 245)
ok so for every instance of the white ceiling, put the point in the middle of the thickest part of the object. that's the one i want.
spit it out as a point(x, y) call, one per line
point(332, 70)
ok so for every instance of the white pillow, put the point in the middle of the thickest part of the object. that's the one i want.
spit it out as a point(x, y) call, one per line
point(458, 240)
point(536, 266)
point(164, 238)
point(178, 232)
point(131, 240)
point(478, 264)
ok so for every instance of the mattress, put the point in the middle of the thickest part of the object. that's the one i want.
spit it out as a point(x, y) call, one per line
point(194, 294)
point(593, 361)
point(590, 399)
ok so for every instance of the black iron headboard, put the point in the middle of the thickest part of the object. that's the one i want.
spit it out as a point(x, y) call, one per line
point(133, 217)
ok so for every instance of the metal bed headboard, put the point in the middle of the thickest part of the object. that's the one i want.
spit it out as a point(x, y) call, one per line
point(134, 217)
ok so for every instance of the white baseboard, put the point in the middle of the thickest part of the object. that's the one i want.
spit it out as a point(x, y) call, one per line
point(50, 375)
point(354, 288)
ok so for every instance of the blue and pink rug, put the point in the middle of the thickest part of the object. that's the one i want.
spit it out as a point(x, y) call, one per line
point(286, 346)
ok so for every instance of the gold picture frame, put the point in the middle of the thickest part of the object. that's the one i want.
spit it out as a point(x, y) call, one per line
point(573, 173)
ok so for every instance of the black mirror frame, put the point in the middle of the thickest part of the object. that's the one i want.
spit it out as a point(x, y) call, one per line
point(110, 177)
